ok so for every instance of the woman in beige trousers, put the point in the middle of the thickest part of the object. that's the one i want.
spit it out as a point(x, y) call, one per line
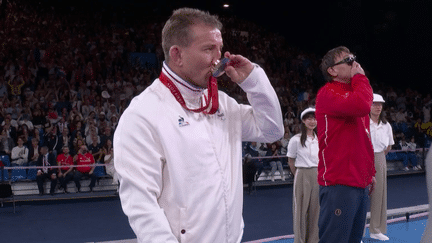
point(382, 140)
point(303, 161)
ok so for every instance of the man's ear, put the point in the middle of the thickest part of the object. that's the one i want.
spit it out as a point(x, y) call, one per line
point(175, 53)
point(332, 72)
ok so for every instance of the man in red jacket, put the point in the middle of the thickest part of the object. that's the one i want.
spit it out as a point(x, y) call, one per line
point(346, 158)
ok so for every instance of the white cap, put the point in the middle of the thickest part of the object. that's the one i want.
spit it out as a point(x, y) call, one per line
point(307, 110)
point(378, 98)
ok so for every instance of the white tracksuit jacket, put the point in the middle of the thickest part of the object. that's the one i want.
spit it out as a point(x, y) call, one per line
point(181, 172)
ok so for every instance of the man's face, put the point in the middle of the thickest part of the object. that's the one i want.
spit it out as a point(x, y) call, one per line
point(198, 58)
point(343, 70)
point(83, 149)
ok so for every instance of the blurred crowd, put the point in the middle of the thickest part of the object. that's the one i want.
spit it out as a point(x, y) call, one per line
point(66, 76)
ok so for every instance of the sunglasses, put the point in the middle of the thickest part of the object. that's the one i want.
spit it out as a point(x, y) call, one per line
point(349, 60)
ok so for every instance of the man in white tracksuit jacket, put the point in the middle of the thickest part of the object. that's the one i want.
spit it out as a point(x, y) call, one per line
point(180, 171)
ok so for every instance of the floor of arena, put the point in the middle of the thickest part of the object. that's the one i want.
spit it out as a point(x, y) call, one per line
point(267, 216)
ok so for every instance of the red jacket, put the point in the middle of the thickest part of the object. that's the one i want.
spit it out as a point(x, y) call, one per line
point(63, 160)
point(346, 155)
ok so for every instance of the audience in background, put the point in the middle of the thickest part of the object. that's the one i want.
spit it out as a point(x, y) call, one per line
point(64, 81)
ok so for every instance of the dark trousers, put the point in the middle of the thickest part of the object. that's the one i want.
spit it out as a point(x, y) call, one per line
point(64, 180)
point(41, 179)
point(78, 175)
point(342, 214)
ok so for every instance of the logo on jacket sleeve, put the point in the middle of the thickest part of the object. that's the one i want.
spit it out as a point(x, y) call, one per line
point(182, 122)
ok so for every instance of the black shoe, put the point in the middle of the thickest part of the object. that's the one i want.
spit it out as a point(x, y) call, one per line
point(91, 189)
point(66, 191)
point(52, 193)
point(78, 190)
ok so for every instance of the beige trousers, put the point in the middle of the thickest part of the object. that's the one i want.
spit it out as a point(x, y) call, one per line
point(306, 205)
point(378, 220)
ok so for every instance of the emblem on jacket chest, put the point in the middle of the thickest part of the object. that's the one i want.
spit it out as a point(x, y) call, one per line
point(182, 122)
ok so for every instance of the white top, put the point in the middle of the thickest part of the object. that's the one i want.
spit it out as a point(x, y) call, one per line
point(381, 136)
point(305, 157)
point(180, 172)
point(19, 155)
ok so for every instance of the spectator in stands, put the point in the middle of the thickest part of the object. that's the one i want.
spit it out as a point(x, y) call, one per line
point(346, 165)
point(114, 122)
point(303, 162)
point(8, 120)
point(101, 122)
point(46, 160)
point(6, 142)
point(109, 163)
point(84, 157)
point(106, 135)
point(153, 189)
point(62, 124)
point(382, 140)
point(3, 88)
point(33, 154)
point(23, 131)
point(77, 143)
point(409, 153)
point(19, 154)
point(25, 121)
point(95, 148)
point(252, 150)
point(283, 146)
point(66, 172)
point(51, 140)
point(275, 163)
point(64, 139)
point(38, 116)
point(112, 111)
point(427, 112)
point(77, 128)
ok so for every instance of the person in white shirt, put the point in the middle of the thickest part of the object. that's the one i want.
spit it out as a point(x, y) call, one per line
point(19, 154)
point(303, 162)
point(178, 145)
point(409, 153)
point(382, 140)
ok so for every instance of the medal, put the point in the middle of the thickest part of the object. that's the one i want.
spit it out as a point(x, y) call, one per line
point(219, 68)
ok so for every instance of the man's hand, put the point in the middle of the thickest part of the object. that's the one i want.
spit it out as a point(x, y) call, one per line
point(238, 68)
point(372, 185)
point(356, 68)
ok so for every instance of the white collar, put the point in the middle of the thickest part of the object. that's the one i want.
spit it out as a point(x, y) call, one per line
point(189, 91)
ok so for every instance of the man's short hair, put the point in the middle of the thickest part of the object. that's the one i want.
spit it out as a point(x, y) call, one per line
point(329, 60)
point(177, 29)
